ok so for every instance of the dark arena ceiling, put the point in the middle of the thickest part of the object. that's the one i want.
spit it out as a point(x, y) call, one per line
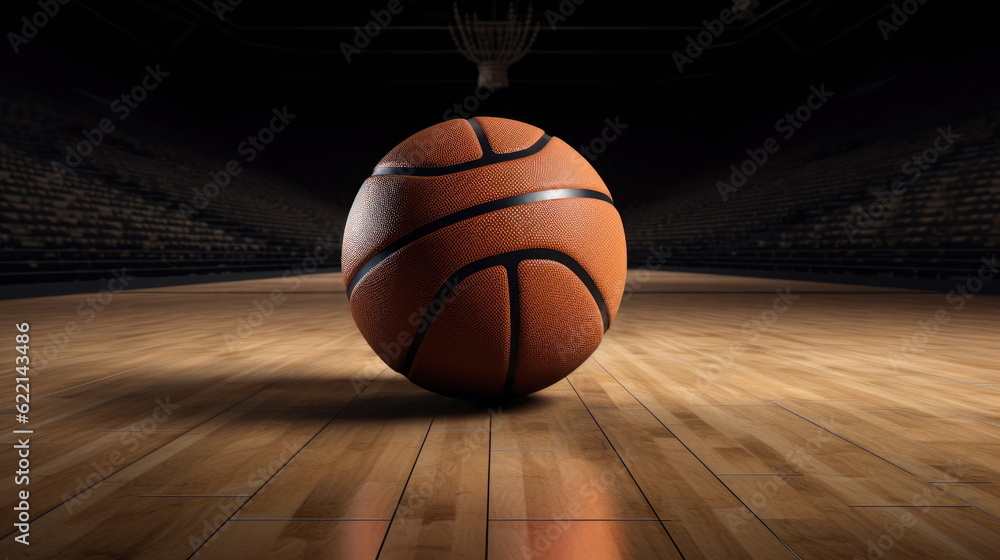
point(231, 62)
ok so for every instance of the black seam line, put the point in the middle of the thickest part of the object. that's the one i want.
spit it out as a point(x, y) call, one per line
point(514, 293)
point(484, 144)
point(487, 159)
point(506, 260)
point(465, 214)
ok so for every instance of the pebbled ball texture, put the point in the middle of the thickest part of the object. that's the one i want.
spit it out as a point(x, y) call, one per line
point(483, 258)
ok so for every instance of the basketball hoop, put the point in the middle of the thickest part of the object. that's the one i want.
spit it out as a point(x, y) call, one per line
point(493, 45)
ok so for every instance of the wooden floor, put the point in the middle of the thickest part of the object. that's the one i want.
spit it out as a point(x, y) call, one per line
point(717, 420)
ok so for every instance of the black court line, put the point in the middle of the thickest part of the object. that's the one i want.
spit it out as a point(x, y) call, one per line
point(465, 214)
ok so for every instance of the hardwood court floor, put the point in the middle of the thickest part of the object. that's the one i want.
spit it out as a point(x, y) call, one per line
point(717, 420)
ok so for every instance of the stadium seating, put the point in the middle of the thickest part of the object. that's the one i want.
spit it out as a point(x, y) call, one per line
point(804, 211)
point(795, 214)
point(122, 205)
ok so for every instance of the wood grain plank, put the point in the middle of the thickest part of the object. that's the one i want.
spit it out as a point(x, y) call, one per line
point(356, 467)
point(322, 540)
point(442, 514)
point(553, 462)
point(758, 428)
point(580, 540)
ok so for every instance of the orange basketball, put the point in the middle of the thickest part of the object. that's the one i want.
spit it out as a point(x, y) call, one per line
point(483, 257)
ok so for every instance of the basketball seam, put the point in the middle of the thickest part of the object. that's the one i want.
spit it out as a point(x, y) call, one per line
point(467, 214)
point(514, 293)
point(488, 158)
point(507, 260)
point(484, 143)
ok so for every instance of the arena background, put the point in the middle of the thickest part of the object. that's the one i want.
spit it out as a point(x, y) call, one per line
point(812, 208)
point(804, 364)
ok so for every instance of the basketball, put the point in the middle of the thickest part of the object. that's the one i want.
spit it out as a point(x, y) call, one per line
point(463, 280)
point(483, 258)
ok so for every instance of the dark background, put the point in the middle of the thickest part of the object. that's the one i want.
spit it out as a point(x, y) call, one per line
point(606, 60)
point(226, 75)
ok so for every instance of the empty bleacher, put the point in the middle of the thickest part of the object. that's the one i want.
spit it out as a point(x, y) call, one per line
point(791, 216)
point(121, 206)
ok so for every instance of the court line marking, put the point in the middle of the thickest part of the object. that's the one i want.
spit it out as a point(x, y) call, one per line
point(489, 485)
point(576, 519)
point(612, 408)
point(226, 293)
point(309, 519)
point(756, 474)
point(693, 454)
point(765, 404)
point(409, 477)
point(908, 506)
point(304, 445)
point(513, 449)
point(144, 431)
point(460, 429)
point(194, 495)
point(301, 409)
point(621, 461)
point(828, 430)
